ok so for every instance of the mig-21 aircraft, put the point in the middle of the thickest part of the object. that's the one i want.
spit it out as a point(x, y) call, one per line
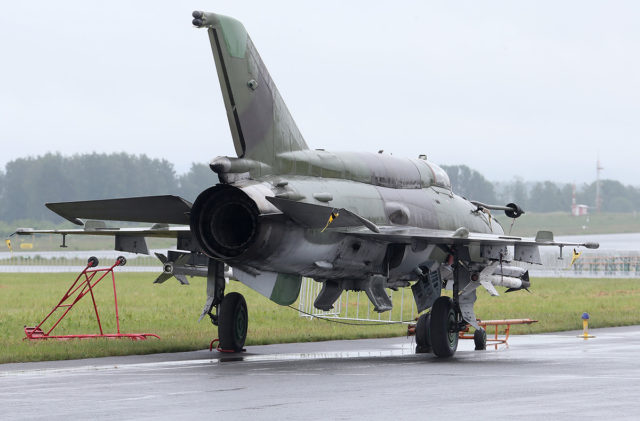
point(350, 220)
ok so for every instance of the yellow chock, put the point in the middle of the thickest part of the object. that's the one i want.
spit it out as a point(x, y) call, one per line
point(585, 327)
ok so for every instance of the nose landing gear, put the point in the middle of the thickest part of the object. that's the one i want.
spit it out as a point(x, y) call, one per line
point(480, 339)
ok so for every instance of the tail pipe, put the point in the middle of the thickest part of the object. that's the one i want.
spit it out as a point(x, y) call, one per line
point(225, 221)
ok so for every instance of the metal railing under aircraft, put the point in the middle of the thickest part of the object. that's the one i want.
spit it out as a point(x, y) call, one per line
point(355, 305)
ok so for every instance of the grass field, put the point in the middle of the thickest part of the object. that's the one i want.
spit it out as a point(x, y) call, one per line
point(562, 223)
point(171, 311)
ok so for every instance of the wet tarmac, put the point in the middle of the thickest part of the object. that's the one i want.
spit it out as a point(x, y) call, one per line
point(551, 376)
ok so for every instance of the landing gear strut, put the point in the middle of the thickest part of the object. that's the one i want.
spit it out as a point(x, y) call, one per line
point(231, 314)
point(450, 316)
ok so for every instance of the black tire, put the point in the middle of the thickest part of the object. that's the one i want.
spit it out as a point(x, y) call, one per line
point(480, 339)
point(233, 321)
point(122, 261)
point(423, 342)
point(93, 261)
point(443, 328)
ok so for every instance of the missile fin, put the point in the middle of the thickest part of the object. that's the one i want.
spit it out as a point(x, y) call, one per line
point(182, 279)
point(489, 287)
point(163, 277)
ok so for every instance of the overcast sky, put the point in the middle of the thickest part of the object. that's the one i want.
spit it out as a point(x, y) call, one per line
point(536, 89)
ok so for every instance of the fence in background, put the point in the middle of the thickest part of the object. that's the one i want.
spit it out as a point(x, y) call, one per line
point(600, 264)
point(623, 264)
point(74, 261)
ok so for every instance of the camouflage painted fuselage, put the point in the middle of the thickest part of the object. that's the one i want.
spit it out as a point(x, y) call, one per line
point(265, 217)
point(385, 190)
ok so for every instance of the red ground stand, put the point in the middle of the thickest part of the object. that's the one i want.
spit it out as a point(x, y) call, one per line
point(83, 285)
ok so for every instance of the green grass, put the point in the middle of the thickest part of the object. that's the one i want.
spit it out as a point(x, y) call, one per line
point(562, 223)
point(558, 304)
point(171, 311)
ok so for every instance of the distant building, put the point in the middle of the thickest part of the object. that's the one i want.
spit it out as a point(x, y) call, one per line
point(577, 210)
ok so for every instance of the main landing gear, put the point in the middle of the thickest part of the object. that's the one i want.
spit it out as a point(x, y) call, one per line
point(233, 321)
point(231, 314)
point(437, 331)
point(423, 340)
point(444, 327)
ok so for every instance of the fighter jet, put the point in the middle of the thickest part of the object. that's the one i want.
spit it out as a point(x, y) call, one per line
point(349, 220)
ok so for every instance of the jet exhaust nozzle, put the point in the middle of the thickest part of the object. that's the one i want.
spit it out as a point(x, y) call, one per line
point(224, 221)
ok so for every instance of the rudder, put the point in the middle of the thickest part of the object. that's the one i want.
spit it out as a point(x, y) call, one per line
point(260, 123)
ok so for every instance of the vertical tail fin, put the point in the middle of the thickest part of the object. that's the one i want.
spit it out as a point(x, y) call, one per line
point(260, 123)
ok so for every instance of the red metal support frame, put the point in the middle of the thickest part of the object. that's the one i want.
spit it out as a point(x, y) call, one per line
point(497, 340)
point(83, 285)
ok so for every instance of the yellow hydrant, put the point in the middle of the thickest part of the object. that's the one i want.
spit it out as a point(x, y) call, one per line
point(585, 326)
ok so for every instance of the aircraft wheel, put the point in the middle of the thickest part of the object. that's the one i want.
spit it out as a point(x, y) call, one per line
point(233, 321)
point(423, 343)
point(480, 339)
point(443, 328)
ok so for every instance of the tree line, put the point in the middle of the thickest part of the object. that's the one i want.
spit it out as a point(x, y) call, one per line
point(27, 184)
point(542, 196)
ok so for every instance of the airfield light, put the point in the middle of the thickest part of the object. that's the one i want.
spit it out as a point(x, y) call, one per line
point(585, 326)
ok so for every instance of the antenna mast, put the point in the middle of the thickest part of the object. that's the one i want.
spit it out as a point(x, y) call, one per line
point(598, 197)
